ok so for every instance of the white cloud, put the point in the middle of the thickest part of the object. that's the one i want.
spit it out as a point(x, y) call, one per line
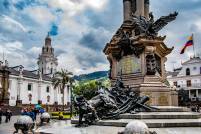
point(35, 51)
point(16, 54)
point(95, 4)
point(40, 14)
point(11, 24)
point(198, 24)
point(14, 45)
point(74, 7)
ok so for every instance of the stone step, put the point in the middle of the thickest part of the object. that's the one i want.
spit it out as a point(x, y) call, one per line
point(162, 115)
point(171, 109)
point(151, 123)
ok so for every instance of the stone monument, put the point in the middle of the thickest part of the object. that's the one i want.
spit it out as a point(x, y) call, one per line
point(138, 54)
point(4, 84)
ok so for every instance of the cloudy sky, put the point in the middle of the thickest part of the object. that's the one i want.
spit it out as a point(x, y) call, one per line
point(81, 28)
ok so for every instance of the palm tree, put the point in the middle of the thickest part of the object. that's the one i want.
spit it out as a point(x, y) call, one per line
point(61, 79)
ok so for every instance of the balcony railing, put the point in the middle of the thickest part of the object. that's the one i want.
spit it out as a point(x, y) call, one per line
point(193, 85)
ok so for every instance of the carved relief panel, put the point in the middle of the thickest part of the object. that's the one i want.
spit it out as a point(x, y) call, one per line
point(128, 65)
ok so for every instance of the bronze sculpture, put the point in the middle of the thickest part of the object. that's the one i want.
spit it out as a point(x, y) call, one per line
point(109, 104)
point(145, 27)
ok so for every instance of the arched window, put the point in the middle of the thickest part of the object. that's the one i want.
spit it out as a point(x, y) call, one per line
point(51, 71)
point(48, 89)
point(188, 72)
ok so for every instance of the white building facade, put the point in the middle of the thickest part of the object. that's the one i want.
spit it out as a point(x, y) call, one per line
point(188, 77)
point(36, 87)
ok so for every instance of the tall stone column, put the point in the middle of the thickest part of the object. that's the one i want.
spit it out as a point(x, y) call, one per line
point(39, 92)
point(163, 72)
point(140, 7)
point(19, 88)
point(146, 8)
point(39, 87)
point(143, 63)
point(127, 9)
point(68, 94)
point(56, 95)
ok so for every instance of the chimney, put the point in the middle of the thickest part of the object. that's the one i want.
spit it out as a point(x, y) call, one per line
point(127, 9)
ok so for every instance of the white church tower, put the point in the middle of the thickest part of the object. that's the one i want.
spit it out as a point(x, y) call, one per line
point(47, 62)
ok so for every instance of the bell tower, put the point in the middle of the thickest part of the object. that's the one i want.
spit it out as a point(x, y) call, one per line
point(47, 62)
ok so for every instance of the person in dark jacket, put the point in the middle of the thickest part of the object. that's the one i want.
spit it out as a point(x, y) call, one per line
point(9, 115)
point(1, 114)
point(6, 115)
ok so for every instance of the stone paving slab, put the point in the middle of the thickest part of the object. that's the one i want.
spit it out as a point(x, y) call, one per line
point(172, 109)
point(154, 123)
point(8, 128)
point(151, 123)
point(64, 127)
point(162, 115)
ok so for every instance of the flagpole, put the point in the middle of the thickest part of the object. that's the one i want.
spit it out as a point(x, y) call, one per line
point(193, 46)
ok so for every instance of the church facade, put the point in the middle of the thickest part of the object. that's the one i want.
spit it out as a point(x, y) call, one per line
point(36, 87)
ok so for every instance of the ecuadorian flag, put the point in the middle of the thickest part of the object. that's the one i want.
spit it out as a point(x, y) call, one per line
point(188, 43)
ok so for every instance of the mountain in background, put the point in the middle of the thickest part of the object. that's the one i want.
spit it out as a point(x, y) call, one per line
point(92, 76)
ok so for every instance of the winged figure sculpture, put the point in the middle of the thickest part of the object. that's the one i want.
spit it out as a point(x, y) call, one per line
point(150, 27)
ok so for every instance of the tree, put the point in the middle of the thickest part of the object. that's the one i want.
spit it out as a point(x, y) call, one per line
point(88, 88)
point(61, 79)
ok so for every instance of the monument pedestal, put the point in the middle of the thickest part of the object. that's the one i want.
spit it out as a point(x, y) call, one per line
point(159, 93)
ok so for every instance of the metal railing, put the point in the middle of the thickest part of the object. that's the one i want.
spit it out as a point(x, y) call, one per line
point(193, 85)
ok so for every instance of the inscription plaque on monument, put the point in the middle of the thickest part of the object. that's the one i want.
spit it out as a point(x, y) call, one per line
point(129, 64)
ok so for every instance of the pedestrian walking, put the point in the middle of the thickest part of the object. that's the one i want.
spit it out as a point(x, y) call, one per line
point(6, 115)
point(9, 115)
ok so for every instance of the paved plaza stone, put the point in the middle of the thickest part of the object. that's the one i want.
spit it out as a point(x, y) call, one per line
point(8, 128)
point(64, 127)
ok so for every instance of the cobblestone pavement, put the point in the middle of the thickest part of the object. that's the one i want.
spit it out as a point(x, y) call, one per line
point(64, 127)
point(7, 128)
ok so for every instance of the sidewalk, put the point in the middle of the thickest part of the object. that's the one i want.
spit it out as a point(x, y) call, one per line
point(8, 128)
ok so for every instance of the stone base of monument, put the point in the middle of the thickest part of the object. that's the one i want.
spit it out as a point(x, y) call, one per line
point(163, 118)
point(159, 93)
